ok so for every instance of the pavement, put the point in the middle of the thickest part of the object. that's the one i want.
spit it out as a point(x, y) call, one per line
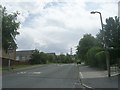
point(98, 79)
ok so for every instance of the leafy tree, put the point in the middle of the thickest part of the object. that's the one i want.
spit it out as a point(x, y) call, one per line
point(100, 57)
point(42, 58)
point(110, 37)
point(35, 57)
point(91, 59)
point(112, 32)
point(85, 44)
point(10, 26)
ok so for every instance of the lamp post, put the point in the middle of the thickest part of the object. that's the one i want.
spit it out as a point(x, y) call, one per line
point(106, 52)
point(93, 12)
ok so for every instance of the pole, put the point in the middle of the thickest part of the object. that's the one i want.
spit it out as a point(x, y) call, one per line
point(108, 62)
point(106, 52)
point(101, 20)
point(9, 62)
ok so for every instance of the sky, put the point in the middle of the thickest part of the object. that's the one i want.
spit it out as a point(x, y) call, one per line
point(58, 25)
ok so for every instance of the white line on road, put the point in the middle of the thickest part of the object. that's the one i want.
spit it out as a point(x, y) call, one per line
point(36, 72)
point(21, 72)
point(81, 75)
point(29, 72)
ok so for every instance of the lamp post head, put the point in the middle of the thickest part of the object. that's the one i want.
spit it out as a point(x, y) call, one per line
point(92, 12)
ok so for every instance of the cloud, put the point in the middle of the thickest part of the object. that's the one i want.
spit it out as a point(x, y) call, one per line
point(58, 25)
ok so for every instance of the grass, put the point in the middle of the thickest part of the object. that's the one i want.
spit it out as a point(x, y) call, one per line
point(14, 67)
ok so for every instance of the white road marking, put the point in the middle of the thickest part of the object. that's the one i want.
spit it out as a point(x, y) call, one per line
point(21, 72)
point(28, 72)
point(36, 72)
point(81, 75)
point(87, 86)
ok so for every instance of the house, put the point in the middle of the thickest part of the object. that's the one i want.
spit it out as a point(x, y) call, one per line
point(11, 54)
point(7, 58)
point(23, 55)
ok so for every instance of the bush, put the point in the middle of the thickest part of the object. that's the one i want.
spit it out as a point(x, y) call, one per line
point(91, 59)
point(101, 60)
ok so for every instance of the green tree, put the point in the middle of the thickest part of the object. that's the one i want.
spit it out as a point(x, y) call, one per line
point(100, 57)
point(112, 32)
point(35, 57)
point(110, 37)
point(91, 56)
point(85, 44)
point(10, 26)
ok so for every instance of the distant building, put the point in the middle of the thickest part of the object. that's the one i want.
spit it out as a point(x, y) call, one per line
point(24, 55)
point(119, 9)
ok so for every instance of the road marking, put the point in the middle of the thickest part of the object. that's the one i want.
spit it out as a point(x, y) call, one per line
point(21, 72)
point(36, 72)
point(81, 75)
point(28, 72)
point(86, 86)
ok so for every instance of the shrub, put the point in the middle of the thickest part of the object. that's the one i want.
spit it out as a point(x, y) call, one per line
point(101, 60)
point(91, 59)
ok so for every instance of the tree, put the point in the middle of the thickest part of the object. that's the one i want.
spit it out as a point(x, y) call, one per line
point(112, 32)
point(91, 56)
point(35, 57)
point(10, 26)
point(100, 57)
point(85, 44)
point(110, 37)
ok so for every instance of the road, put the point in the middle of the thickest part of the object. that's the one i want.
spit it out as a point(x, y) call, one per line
point(46, 76)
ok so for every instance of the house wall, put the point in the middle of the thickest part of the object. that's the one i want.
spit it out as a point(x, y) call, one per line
point(9, 55)
point(23, 55)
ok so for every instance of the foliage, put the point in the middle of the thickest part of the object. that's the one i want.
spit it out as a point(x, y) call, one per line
point(110, 37)
point(101, 60)
point(10, 26)
point(85, 44)
point(64, 58)
point(35, 57)
point(91, 59)
point(112, 32)
point(38, 57)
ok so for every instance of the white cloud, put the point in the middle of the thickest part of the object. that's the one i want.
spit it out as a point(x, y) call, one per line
point(58, 25)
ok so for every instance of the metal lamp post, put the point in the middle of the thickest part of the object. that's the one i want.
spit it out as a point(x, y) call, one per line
point(107, 53)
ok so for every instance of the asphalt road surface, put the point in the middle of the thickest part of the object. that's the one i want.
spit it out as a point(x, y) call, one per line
point(46, 76)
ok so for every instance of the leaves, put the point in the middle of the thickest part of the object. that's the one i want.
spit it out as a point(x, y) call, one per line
point(85, 44)
point(111, 33)
point(10, 26)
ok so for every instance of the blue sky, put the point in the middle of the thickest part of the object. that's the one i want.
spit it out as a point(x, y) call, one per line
point(58, 25)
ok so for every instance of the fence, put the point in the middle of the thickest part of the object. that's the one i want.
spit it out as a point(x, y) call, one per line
point(5, 62)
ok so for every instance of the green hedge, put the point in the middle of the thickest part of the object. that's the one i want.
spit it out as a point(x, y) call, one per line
point(91, 56)
point(101, 60)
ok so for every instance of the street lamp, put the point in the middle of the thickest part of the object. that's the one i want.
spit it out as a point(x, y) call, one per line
point(107, 53)
point(93, 12)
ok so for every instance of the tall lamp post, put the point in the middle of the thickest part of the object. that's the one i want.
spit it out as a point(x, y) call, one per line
point(106, 52)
